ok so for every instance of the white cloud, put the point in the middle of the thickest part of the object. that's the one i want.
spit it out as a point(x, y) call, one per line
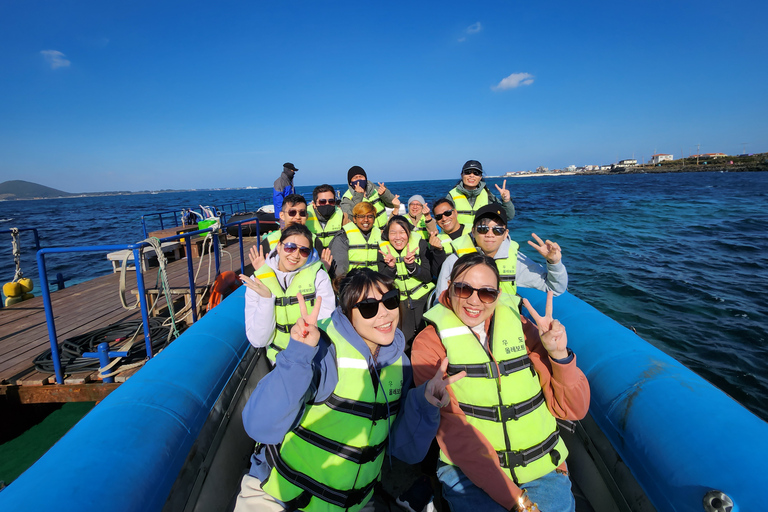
point(472, 29)
point(55, 58)
point(514, 80)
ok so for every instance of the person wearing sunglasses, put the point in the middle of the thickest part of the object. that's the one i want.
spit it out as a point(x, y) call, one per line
point(358, 246)
point(490, 236)
point(294, 211)
point(271, 308)
point(471, 193)
point(283, 187)
point(500, 447)
point(441, 244)
point(404, 259)
point(324, 218)
point(338, 402)
point(362, 190)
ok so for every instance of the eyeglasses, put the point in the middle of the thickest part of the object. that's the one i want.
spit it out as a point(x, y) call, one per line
point(497, 230)
point(291, 247)
point(323, 202)
point(293, 213)
point(446, 213)
point(476, 172)
point(368, 308)
point(465, 291)
point(365, 217)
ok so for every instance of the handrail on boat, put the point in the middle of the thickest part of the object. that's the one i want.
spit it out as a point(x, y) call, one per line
point(34, 230)
point(221, 209)
point(137, 249)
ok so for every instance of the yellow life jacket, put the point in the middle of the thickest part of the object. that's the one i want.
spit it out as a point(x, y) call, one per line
point(410, 287)
point(465, 213)
point(362, 252)
point(375, 200)
point(502, 399)
point(332, 459)
point(331, 228)
point(507, 266)
point(287, 309)
point(419, 227)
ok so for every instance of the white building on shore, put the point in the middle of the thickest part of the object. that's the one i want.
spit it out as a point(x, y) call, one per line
point(661, 157)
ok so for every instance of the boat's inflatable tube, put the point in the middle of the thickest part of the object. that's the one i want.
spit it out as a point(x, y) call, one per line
point(679, 435)
point(127, 452)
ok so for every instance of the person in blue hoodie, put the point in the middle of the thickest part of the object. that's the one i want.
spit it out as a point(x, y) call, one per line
point(340, 398)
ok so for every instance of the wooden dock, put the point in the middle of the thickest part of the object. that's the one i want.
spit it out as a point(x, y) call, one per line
point(80, 309)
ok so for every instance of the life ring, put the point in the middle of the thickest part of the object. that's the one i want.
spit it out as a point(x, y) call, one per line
point(225, 283)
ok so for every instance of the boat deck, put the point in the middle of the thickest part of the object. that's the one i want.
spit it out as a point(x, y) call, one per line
point(85, 307)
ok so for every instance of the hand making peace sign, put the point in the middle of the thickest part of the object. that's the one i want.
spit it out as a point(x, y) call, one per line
point(389, 260)
point(551, 331)
point(410, 256)
point(435, 391)
point(305, 329)
point(503, 192)
point(550, 250)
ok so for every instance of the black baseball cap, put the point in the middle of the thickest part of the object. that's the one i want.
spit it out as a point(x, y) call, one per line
point(491, 210)
point(472, 164)
point(290, 166)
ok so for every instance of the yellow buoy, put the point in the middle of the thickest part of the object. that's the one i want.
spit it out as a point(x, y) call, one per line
point(12, 290)
point(10, 301)
point(27, 296)
point(26, 284)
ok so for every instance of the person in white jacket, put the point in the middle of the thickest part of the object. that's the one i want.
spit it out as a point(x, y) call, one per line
point(271, 306)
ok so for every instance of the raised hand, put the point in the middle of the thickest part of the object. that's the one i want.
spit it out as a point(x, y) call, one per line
point(550, 250)
point(381, 188)
point(434, 240)
point(396, 203)
point(551, 331)
point(435, 391)
point(359, 189)
point(410, 256)
point(425, 211)
point(305, 329)
point(389, 260)
point(503, 192)
point(256, 285)
point(256, 254)
point(327, 258)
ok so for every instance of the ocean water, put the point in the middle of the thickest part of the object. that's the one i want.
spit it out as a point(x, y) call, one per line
point(681, 258)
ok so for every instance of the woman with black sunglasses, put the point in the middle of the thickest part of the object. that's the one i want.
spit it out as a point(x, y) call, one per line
point(271, 308)
point(500, 447)
point(471, 193)
point(336, 403)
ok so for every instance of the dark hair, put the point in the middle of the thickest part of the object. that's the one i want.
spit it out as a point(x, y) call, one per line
point(292, 199)
point(470, 260)
point(442, 200)
point(320, 189)
point(357, 283)
point(396, 219)
point(297, 229)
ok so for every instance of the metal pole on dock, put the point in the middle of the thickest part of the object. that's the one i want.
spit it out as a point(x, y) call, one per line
point(138, 263)
point(55, 357)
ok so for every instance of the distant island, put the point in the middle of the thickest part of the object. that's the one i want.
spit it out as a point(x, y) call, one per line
point(20, 189)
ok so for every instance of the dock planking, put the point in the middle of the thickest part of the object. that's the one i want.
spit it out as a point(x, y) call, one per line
point(80, 309)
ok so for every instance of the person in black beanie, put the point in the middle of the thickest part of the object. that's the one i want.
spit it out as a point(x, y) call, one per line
point(360, 189)
point(283, 187)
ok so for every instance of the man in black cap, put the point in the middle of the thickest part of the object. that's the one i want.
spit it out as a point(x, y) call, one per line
point(360, 189)
point(490, 235)
point(471, 193)
point(283, 187)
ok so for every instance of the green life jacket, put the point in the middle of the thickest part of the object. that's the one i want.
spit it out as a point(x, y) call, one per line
point(381, 212)
point(333, 458)
point(465, 213)
point(287, 309)
point(420, 227)
point(507, 266)
point(410, 287)
point(362, 252)
point(502, 399)
point(273, 237)
point(331, 228)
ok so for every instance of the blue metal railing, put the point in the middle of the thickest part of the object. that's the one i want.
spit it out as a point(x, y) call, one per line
point(137, 255)
point(164, 216)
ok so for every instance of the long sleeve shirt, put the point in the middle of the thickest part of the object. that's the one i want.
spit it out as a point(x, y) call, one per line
point(565, 388)
point(471, 195)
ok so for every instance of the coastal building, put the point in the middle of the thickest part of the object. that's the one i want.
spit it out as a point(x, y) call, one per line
point(542, 169)
point(661, 157)
point(570, 168)
point(606, 167)
point(709, 155)
point(591, 167)
point(629, 162)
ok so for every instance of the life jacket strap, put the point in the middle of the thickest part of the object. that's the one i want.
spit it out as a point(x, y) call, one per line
point(504, 412)
point(491, 371)
point(513, 459)
point(359, 456)
point(364, 246)
point(567, 425)
point(507, 278)
point(329, 234)
point(373, 411)
point(339, 498)
point(291, 301)
point(284, 328)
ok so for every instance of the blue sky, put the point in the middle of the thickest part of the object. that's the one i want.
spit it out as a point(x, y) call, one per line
point(148, 95)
